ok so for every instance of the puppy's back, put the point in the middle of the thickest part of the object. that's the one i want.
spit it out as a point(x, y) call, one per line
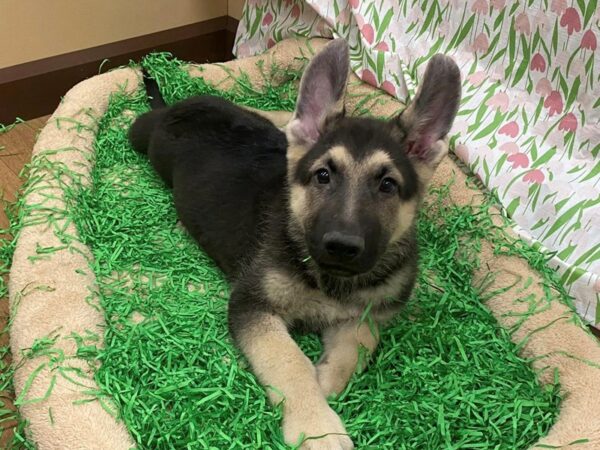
point(141, 131)
point(226, 166)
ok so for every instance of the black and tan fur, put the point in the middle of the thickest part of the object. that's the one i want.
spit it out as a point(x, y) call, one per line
point(311, 225)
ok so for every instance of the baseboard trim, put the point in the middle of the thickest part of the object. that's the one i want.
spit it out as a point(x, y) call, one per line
point(232, 24)
point(34, 89)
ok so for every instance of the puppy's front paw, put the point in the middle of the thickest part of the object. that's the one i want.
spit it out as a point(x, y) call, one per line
point(332, 379)
point(321, 429)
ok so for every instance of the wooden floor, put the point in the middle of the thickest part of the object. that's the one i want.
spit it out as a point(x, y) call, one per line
point(15, 152)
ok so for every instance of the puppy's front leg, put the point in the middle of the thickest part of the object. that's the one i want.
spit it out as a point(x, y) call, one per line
point(290, 376)
point(343, 344)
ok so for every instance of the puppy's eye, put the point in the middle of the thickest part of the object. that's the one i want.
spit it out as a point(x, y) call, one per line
point(388, 186)
point(322, 176)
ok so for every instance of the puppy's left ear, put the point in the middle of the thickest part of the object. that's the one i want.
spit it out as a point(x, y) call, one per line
point(426, 122)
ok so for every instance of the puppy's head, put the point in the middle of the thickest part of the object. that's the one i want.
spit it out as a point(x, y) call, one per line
point(355, 184)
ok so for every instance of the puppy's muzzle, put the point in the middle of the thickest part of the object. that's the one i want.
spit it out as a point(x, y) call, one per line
point(342, 248)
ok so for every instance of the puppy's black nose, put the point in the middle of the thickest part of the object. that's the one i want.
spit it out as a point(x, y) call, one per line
point(343, 247)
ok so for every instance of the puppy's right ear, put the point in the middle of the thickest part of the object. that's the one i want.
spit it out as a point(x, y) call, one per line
point(321, 96)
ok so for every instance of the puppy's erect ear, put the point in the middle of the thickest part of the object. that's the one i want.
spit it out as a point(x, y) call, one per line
point(321, 96)
point(428, 119)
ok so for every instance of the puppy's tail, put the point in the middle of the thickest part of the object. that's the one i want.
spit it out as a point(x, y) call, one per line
point(141, 130)
point(156, 99)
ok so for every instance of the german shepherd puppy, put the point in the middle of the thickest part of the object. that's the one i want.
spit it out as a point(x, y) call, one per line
point(312, 225)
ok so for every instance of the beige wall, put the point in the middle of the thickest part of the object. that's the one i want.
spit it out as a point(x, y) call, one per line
point(235, 8)
point(35, 29)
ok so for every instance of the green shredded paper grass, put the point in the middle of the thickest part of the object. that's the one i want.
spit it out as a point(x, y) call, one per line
point(445, 376)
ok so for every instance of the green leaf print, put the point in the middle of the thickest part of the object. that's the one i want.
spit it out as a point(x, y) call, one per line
point(500, 163)
point(575, 169)
point(547, 198)
point(564, 218)
point(380, 65)
point(371, 63)
point(256, 23)
point(525, 63)
point(462, 32)
point(375, 17)
point(572, 275)
point(589, 11)
point(492, 46)
point(538, 110)
point(529, 86)
point(589, 68)
point(483, 108)
point(492, 126)
point(581, 5)
point(486, 171)
point(547, 52)
point(590, 255)
point(544, 158)
point(539, 224)
point(498, 55)
point(558, 206)
point(555, 37)
point(429, 18)
point(385, 24)
point(520, 71)
point(432, 51)
point(500, 19)
point(493, 142)
point(564, 87)
point(573, 93)
point(512, 42)
point(525, 120)
point(536, 40)
point(534, 195)
point(567, 252)
point(512, 207)
point(371, 10)
point(595, 172)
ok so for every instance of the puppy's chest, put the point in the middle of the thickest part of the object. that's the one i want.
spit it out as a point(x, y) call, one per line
point(295, 301)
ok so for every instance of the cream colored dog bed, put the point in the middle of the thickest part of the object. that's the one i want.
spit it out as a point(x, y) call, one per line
point(55, 295)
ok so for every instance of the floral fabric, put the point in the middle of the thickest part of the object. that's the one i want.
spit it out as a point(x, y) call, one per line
point(529, 122)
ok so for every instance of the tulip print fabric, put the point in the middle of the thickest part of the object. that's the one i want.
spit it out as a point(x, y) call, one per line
point(529, 123)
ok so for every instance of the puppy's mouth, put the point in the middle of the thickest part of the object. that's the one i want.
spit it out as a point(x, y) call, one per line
point(338, 271)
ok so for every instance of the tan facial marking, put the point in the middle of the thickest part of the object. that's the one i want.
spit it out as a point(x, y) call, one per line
point(378, 159)
point(404, 218)
point(341, 157)
point(358, 170)
point(298, 202)
point(294, 153)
